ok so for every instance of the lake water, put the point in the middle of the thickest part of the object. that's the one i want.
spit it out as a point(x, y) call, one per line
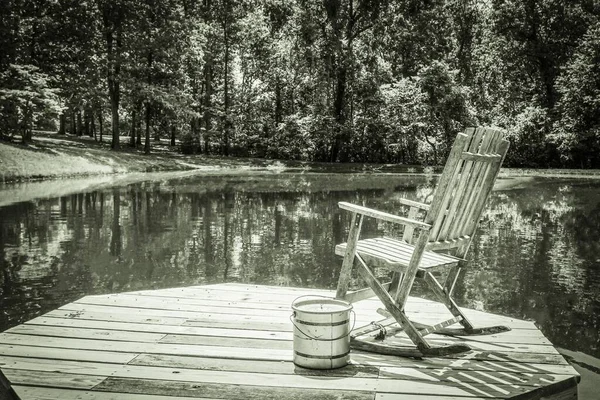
point(536, 254)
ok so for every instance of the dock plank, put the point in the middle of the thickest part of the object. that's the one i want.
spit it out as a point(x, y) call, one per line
point(85, 333)
point(362, 364)
point(229, 391)
point(46, 393)
point(58, 353)
point(52, 379)
point(223, 388)
point(155, 328)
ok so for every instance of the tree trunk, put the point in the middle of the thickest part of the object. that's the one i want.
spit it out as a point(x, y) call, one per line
point(93, 122)
point(26, 124)
point(101, 123)
point(79, 124)
point(173, 134)
point(73, 126)
point(147, 139)
point(278, 102)
point(434, 148)
point(465, 19)
point(86, 123)
point(133, 127)
point(149, 59)
point(207, 117)
point(138, 140)
point(26, 135)
point(338, 109)
point(195, 133)
point(112, 18)
point(226, 95)
point(62, 122)
point(114, 105)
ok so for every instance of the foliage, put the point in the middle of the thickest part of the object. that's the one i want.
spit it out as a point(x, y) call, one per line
point(577, 133)
point(528, 137)
point(25, 98)
point(335, 80)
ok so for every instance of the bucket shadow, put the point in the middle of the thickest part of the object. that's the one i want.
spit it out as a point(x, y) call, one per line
point(350, 370)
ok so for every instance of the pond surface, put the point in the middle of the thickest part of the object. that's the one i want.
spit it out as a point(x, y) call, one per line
point(536, 254)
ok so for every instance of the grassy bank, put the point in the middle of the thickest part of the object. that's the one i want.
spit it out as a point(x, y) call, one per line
point(53, 156)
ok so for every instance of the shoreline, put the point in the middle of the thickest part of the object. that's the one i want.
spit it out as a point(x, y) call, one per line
point(52, 157)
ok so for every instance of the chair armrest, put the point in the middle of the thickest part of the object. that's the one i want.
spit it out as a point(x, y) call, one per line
point(369, 212)
point(411, 203)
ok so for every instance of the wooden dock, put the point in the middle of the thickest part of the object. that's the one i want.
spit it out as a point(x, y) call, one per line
point(235, 341)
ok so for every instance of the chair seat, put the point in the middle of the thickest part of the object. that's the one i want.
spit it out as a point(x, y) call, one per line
point(396, 254)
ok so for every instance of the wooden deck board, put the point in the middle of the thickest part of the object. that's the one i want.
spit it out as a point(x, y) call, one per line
point(44, 393)
point(235, 341)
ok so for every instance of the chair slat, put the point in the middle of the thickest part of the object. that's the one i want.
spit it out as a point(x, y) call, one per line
point(408, 229)
point(457, 196)
point(488, 158)
point(448, 244)
point(442, 195)
point(474, 218)
point(479, 195)
point(474, 196)
point(468, 200)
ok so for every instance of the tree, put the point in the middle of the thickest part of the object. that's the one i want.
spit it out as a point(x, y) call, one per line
point(577, 133)
point(447, 107)
point(464, 16)
point(346, 21)
point(539, 36)
point(114, 16)
point(25, 97)
point(75, 57)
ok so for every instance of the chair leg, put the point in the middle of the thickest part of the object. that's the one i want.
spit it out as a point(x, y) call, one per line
point(451, 279)
point(346, 271)
point(396, 282)
point(399, 315)
point(445, 296)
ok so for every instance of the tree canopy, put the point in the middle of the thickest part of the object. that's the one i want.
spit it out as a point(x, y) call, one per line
point(323, 80)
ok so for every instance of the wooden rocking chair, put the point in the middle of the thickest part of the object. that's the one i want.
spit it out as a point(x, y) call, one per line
point(438, 242)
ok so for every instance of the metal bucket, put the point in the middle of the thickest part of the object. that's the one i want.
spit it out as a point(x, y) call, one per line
point(321, 332)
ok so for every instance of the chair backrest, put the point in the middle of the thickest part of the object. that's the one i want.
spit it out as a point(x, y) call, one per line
point(463, 188)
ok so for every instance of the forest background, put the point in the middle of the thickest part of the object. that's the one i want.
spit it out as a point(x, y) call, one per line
point(388, 81)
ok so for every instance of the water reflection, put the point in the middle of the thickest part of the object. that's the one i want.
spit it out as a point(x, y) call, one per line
point(536, 254)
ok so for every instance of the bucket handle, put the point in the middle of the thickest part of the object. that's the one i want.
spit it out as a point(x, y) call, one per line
point(293, 314)
point(312, 295)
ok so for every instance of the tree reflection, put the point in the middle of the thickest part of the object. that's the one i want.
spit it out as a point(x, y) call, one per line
point(535, 256)
point(116, 243)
